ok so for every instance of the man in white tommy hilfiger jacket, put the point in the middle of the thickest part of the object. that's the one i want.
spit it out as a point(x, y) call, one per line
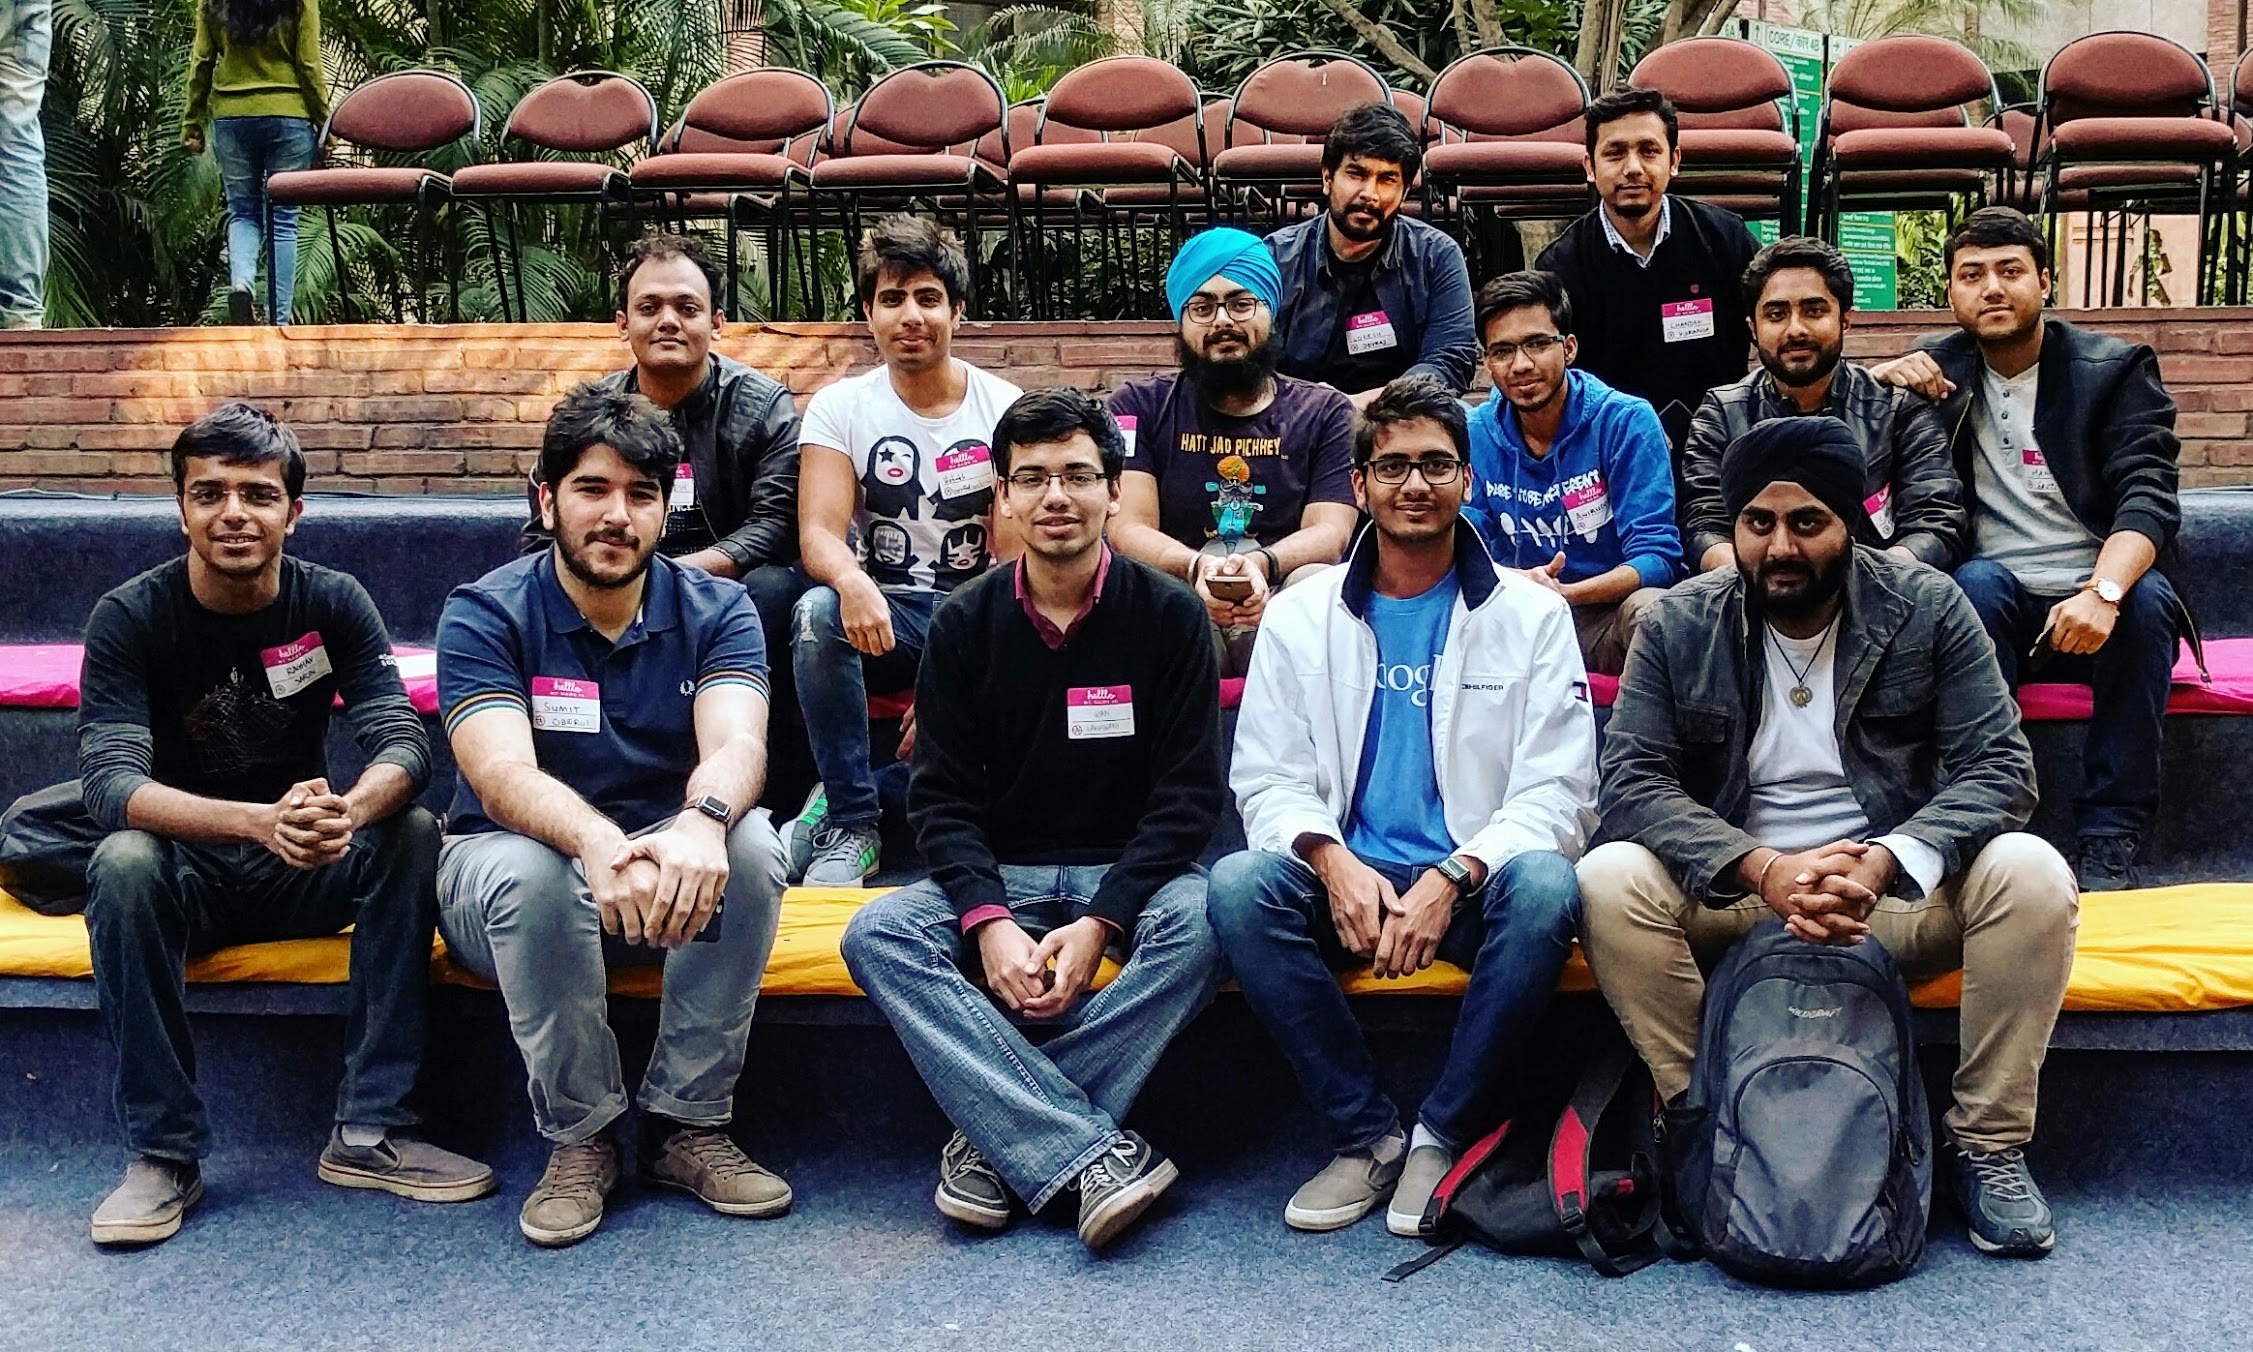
point(1415, 763)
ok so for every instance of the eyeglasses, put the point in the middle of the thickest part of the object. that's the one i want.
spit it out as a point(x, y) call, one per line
point(252, 495)
point(1536, 347)
point(1393, 469)
point(1075, 480)
point(1201, 309)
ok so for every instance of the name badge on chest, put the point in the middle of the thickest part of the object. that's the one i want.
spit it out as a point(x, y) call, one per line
point(684, 488)
point(1092, 711)
point(965, 470)
point(294, 666)
point(1371, 332)
point(1685, 321)
point(560, 704)
point(1588, 507)
point(1127, 423)
point(1880, 507)
point(2034, 470)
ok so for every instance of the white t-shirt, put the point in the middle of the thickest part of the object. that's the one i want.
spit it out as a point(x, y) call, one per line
point(2023, 521)
point(926, 484)
point(1800, 794)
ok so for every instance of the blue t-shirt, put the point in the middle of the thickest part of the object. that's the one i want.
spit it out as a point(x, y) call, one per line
point(1396, 810)
point(614, 721)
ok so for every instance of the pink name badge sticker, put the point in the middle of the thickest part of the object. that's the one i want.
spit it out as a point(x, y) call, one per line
point(1371, 332)
point(965, 470)
point(560, 704)
point(684, 488)
point(1685, 321)
point(1126, 423)
point(294, 666)
point(1588, 507)
point(1092, 711)
point(2035, 470)
point(1880, 507)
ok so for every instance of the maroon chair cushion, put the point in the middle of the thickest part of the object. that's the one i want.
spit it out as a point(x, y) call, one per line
point(2156, 137)
point(1122, 93)
point(1305, 95)
point(584, 114)
point(1271, 162)
point(350, 185)
point(1909, 72)
point(1737, 147)
point(1909, 147)
point(405, 112)
point(1869, 182)
point(706, 170)
point(1713, 75)
point(905, 171)
point(2089, 177)
point(534, 178)
point(926, 107)
point(1507, 96)
point(772, 104)
point(1102, 162)
point(1516, 159)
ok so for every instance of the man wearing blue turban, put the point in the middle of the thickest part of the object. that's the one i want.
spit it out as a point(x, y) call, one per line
point(1235, 476)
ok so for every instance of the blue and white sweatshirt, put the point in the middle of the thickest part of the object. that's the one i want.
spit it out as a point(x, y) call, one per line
point(1602, 496)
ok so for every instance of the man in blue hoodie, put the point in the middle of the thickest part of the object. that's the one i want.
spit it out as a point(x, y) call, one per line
point(1573, 483)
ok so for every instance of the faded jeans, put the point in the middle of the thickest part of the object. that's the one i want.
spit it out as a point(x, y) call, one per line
point(26, 38)
point(249, 150)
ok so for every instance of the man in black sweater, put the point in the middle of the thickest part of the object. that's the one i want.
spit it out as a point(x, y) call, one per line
point(1066, 776)
point(203, 712)
point(1654, 279)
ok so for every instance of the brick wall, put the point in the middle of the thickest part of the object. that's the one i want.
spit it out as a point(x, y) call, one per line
point(458, 409)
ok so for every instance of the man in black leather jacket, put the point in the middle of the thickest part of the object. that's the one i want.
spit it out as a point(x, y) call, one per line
point(2065, 441)
point(734, 506)
point(1799, 293)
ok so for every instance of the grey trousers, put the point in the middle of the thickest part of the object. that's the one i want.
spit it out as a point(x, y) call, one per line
point(518, 913)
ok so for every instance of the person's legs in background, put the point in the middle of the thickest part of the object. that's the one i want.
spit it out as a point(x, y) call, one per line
point(26, 38)
point(248, 150)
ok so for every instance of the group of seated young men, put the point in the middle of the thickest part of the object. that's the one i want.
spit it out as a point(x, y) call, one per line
point(1818, 725)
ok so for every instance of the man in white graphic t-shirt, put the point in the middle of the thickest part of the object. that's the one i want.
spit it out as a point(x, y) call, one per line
point(895, 510)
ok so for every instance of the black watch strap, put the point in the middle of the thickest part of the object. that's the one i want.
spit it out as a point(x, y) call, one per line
point(715, 808)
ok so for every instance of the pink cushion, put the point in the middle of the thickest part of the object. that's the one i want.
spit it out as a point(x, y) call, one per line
point(45, 675)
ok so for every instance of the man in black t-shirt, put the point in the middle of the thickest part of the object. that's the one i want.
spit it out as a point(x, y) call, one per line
point(203, 712)
point(1236, 477)
point(1654, 278)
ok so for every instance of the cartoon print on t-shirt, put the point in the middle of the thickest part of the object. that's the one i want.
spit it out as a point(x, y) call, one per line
point(891, 556)
point(970, 506)
point(893, 485)
point(1233, 494)
point(962, 555)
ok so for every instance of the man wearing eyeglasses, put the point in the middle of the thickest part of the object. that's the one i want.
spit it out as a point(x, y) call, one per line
point(1236, 477)
point(1416, 768)
point(1066, 776)
point(1573, 485)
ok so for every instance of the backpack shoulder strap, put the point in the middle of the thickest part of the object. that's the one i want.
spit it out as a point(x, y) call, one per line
point(1570, 1148)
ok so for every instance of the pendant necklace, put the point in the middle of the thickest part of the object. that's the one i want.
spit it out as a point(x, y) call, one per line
point(1799, 694)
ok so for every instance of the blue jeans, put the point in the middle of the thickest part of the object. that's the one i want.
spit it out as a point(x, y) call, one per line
point(835, 680)
point(1273, 918)
point(519, 914)
point(2128, 679)
point(1040, 1114)
point(27, 35)
point(249, 149)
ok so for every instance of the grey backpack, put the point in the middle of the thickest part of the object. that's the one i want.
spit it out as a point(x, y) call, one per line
point(1801, 1154)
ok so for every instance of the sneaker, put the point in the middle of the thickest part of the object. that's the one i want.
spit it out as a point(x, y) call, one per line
point(844, 856)
point(706, 1163)
point(239, 311)
point(1119, 1186)
point(2108, 863)
point(798, 834)
point(1419, 1179)
point(1348, 1188)
point(2002, 1206)
point(148, 1206)
point(567, 1206)
point(970, 1188)
point(404, 1167)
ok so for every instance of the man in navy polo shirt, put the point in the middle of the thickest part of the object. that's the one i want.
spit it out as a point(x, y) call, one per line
point(580, 685)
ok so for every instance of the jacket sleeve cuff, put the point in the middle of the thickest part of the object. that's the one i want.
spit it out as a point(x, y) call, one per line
point(974, 892)
point(1653, 570)
point(1702, 541)
point(1721, 888)
point(1920, 863)
point(734, 553)
point(2149, 525)
point(979, 915)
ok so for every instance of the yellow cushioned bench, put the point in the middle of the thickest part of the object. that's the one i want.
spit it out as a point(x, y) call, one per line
point(2160, 950)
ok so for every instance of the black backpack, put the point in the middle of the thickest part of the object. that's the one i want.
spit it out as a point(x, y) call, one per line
point(1573, 1174)
point(1802, 1154)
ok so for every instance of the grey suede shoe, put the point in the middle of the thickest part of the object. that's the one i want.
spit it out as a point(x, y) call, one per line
point(567, 1205)
point(1348, 1188)
point(404, 1167)
point(971, 1190)
point(707, 1164)
point(148, 1206)
point(1427, 1165)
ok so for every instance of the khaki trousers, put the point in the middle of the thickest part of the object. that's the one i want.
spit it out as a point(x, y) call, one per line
point(2008, 923)
point(1606, 629)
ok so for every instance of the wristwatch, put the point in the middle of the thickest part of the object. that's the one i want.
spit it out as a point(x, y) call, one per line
point(2107, 590)
point(1456, 872)
point(715, 808)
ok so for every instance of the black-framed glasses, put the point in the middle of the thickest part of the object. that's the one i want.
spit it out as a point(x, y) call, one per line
point(1436, 469)
point(252, 495)
point(1241, 306)
point(1538, 346)
point(1037, 481)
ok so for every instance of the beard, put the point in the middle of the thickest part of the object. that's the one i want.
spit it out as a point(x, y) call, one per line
point(1826, 361)
point(575, 559)
point(1341, 220)
point(1819, 588)
point(1230, 377)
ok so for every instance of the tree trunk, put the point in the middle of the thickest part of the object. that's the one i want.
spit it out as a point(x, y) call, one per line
point(1458, 11)
point(1602, 23)
point(1375, 35)
point(1488, 23)
point(1690, 18)
point(1124, 19)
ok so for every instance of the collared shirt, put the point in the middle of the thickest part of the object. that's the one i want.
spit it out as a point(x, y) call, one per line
point(1619, 241)
point(1049, 634)
point(2023, 521)
point(1413, 316)
point(614, 721)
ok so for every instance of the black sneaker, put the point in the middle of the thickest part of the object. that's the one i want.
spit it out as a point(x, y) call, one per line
point(2108, 864)
point(970, 1188)
point(239, 311)
point(2001, 1203)
point(1119, 1186)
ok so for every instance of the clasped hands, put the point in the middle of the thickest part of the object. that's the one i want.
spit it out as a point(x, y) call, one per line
point(659, 889)
point(1825, 895)
point(1041, 979)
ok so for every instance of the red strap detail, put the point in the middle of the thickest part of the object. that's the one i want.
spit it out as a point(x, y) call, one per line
point(1469, 1162)
point(1568, 1159)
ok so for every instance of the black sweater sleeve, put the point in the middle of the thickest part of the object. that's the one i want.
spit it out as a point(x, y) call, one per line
point(116, 750)
point(945, 800)
point(769, 457)
point(1186, 786)
point(383, 720)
